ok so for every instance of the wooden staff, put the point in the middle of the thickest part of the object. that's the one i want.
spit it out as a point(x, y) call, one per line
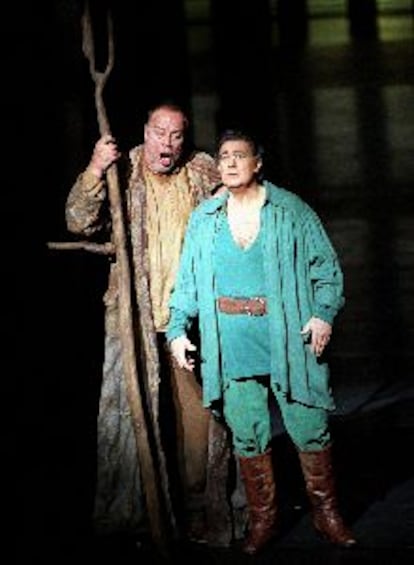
point(107, 248)
point(149, 470)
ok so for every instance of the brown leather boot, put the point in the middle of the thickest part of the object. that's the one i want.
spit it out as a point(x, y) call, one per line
point(320, 486)
point(257, 475)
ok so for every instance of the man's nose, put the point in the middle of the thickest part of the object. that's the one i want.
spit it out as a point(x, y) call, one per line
point(167, 140)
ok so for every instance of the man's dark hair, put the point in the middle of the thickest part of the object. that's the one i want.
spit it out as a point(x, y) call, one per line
point(239, 135)
point(172, 105)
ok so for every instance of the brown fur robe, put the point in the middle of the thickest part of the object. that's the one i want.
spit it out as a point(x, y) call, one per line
point(119, 501)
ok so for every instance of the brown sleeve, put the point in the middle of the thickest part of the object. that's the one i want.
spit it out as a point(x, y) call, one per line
point(84, 204)
point(203, 174)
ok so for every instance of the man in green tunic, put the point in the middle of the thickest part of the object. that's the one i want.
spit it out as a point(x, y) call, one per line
point(260, 274)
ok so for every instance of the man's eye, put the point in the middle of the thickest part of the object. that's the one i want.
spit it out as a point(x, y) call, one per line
point(228, 156)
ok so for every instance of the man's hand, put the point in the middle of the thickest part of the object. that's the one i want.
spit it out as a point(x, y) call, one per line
point(320, 334)
point(179, 347)
point(104, 154)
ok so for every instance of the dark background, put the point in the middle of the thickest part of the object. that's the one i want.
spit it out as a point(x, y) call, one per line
point(330, 94)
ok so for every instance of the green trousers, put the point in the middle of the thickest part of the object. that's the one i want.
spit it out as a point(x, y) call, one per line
point(247, 413)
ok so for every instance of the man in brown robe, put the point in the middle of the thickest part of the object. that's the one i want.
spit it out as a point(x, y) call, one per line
point(165, 183)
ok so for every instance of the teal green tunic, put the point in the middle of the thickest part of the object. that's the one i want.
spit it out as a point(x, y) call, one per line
point(303, 278)
point(244, 339)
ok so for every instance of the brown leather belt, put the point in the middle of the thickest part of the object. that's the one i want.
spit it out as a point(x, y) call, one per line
point(256, 306)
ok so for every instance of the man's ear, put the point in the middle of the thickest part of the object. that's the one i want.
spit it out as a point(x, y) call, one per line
point(259, 165)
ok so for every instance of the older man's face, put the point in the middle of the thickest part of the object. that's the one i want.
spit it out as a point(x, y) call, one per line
point(163, 140)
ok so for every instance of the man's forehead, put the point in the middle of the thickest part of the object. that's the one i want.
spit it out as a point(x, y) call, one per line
point(167, 119)
point(234, 144)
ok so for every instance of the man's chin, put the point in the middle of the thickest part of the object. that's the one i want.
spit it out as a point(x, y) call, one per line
point(161, 169)
point(235, 187)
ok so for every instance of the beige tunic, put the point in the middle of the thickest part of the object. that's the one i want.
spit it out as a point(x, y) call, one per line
point(169, 204)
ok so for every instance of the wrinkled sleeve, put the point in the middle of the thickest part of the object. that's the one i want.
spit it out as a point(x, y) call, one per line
point(204, 174)
point(325, 271)
point(183, 302)
point(84, 204)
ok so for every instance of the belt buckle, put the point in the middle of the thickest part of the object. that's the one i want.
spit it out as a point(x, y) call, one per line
point(248, 309)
